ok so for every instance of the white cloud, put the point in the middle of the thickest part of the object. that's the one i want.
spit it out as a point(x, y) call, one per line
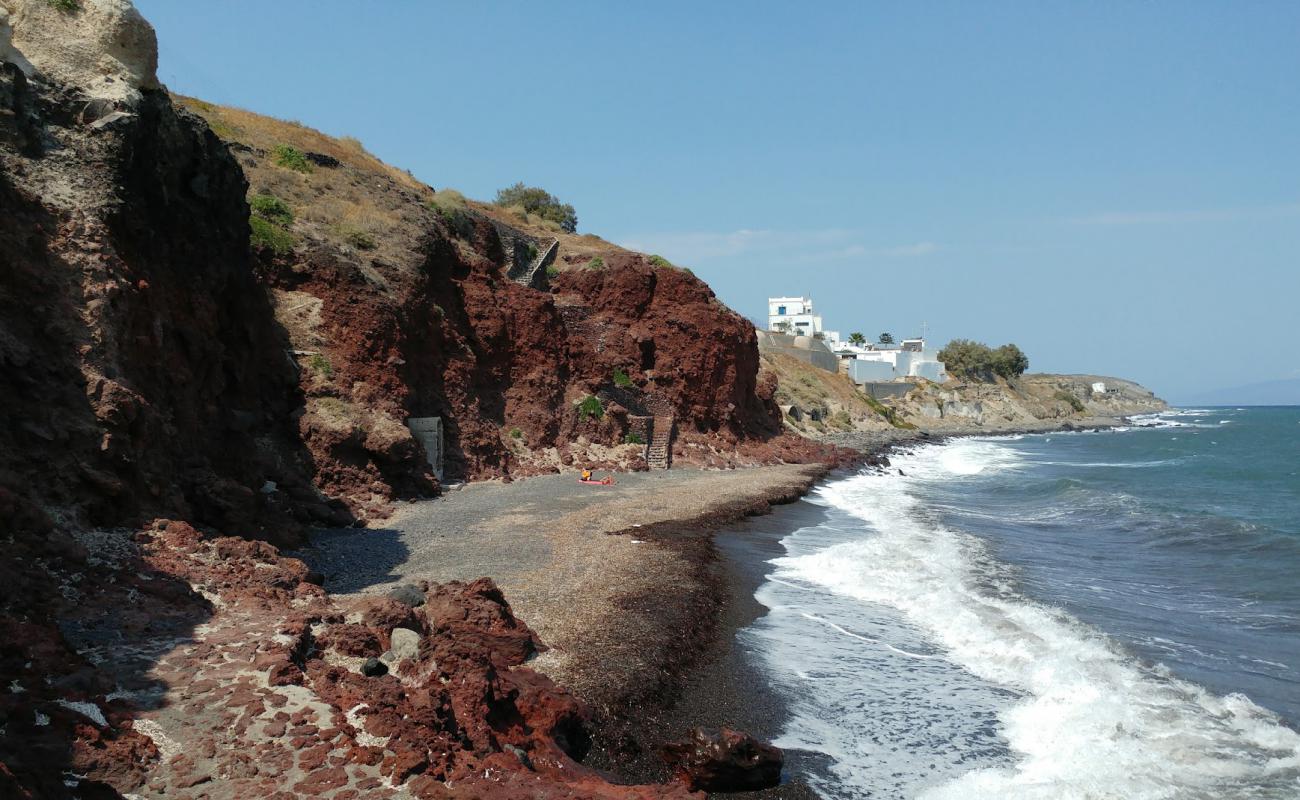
point(1187, 216)
point(911, 250)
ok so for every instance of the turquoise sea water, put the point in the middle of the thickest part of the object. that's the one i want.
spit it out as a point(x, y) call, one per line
point(1090, 615)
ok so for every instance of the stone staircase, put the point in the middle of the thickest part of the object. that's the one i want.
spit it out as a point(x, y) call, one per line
point(658, 451)
point(534, 273)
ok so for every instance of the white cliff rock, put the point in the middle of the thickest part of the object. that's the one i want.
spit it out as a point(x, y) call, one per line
point(102, 47)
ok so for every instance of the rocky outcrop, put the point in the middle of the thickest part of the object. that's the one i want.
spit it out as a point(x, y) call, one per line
point(103, 48)
point(212, 664)
point(727, 761)
point(153, 365)
point(1027, 403)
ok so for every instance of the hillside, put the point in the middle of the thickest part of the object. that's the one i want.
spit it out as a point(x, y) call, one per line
point(214, 328)
point(398, 300)
point(828, 406)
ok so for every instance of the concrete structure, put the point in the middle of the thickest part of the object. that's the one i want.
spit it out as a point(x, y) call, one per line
point(428, 430)
point(804, 348)
point(864, 371)
point(908, 359)
point(794, 316)
point(881, 391)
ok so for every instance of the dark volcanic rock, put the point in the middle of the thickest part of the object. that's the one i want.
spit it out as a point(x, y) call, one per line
point(373, 668)
point(729, 761)
point(408, 595)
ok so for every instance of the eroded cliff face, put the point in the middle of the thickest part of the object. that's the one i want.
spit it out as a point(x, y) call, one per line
point(142, 372)
point(153, 365)
point(396, 308)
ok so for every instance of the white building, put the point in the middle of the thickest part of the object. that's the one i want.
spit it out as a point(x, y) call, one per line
point(794, 315)
point(886, 362)
point(865, 364)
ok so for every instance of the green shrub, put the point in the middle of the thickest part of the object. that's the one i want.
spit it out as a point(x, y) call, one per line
point(66, 6)
point(633, 438)
point(552, 271)
point(291, 158)
point(659, 261)
point(359, 239)
point(533, 200)
point(515, 433)
point(590, 407)
point(321, 364)
point(530, 253)
point(263, 234)
point(272, 209)
point(596, 263)
point(1075, 403)
point(621, 379)
point(978, 361)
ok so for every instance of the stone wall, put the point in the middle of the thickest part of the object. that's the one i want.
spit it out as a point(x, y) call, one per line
point(805, 348)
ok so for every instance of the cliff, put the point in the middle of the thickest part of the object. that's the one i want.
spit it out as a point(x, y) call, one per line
point(398, 302)
point(183, 376)
point(826, 405)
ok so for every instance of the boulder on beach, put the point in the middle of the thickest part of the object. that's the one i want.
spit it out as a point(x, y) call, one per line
point(728, 761)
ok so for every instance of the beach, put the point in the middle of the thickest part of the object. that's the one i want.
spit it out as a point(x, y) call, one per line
point(623, 583)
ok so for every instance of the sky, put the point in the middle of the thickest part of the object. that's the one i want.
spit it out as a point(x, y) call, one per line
point(1113, 186)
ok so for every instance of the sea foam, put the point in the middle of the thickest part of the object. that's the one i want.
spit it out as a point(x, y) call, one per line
point(1080, 716)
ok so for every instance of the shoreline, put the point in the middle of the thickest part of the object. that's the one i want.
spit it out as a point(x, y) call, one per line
point(638, 590)
point(719, 686)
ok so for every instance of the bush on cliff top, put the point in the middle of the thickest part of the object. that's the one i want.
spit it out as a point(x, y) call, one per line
point(535, 200)
point(978, 361)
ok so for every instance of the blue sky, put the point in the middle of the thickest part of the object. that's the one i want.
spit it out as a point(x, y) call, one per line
point(1113, 186)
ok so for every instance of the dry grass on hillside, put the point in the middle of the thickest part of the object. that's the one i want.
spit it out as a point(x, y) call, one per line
point(843, 406)
point(363, 205)
point(355, 204)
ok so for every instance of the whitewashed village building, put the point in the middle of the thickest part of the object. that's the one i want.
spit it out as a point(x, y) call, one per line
point(794, 316)
point(869, 363)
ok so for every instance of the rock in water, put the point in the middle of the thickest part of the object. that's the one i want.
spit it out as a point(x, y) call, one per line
point(730, 761)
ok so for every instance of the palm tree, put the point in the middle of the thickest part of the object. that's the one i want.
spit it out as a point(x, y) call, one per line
point(886, 338)
point(857, 338)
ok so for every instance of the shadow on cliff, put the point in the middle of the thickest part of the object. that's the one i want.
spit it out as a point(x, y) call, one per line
point(58, 457)
point(143, 375)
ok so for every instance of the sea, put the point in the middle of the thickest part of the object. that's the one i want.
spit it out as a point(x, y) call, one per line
point(1092, 615)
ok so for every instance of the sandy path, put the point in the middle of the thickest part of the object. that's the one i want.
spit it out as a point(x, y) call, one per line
point(594, 599)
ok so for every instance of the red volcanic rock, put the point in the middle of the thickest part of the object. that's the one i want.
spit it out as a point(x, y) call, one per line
point(729, 761)
point(322, 781)
point(474, 620)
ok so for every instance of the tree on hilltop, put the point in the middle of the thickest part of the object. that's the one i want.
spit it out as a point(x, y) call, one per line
point(978, 361)
point(535, 200)
point(886, 338)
